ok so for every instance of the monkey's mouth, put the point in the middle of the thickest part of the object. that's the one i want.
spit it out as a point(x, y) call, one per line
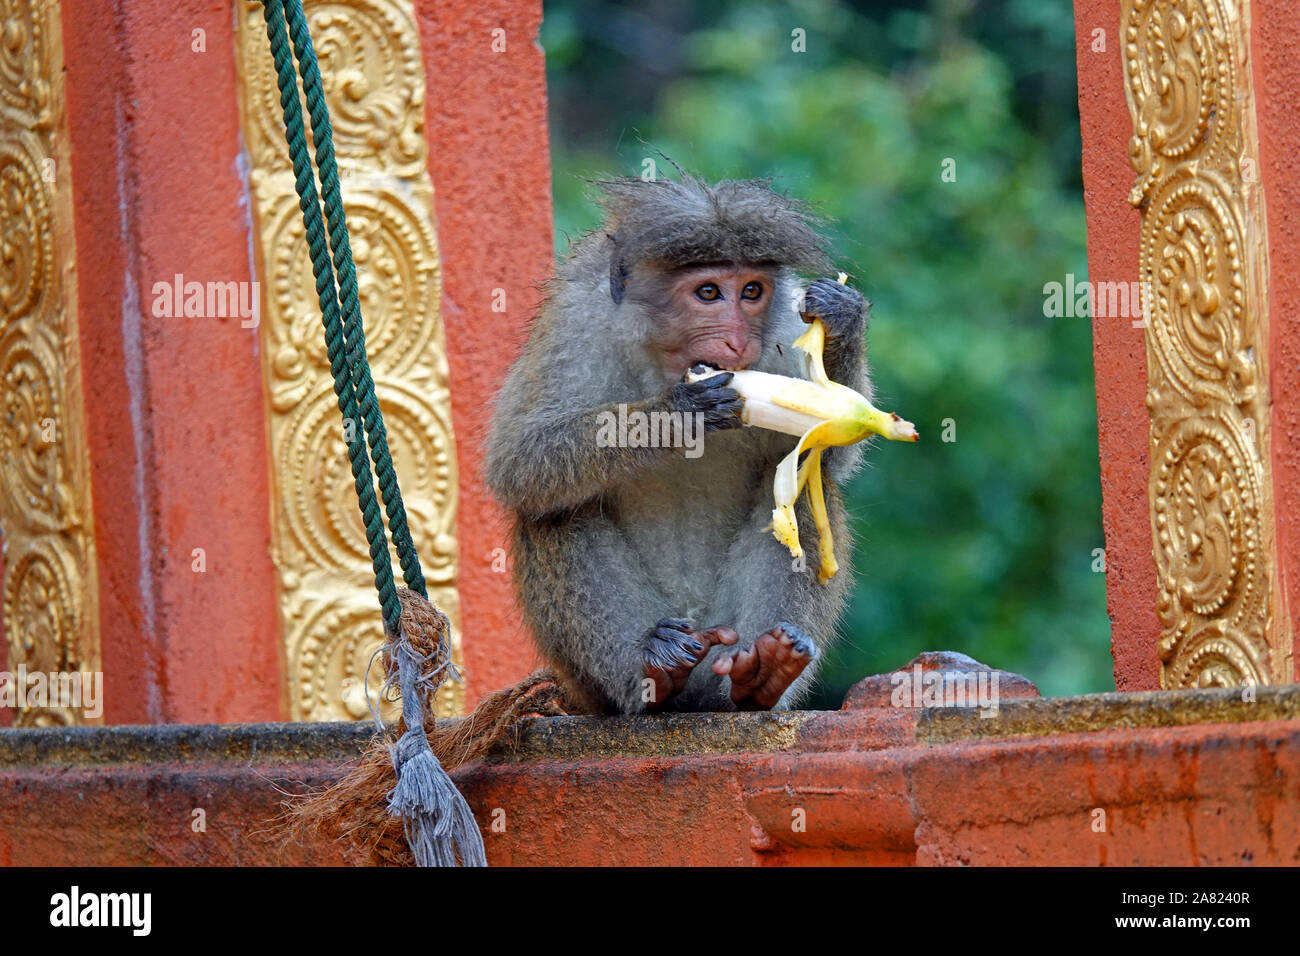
point(700, 368)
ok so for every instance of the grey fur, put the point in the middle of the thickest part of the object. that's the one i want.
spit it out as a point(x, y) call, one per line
point(608, 541)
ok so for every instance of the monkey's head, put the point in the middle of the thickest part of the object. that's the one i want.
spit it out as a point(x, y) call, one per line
point(705, 263)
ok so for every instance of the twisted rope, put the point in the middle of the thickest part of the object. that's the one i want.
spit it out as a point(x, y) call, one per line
point(353, 332)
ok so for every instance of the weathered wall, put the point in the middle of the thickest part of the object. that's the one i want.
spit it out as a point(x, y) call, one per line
point(174, 406)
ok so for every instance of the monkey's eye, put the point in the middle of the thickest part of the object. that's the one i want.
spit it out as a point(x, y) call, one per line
point(752, 290)
point(708, 292)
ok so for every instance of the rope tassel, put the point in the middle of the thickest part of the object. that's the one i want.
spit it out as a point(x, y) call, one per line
point(439, 823)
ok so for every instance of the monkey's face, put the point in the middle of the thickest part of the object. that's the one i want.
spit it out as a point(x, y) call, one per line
point(713, 314)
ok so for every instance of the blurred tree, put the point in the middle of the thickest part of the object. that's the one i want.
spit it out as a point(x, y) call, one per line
point(942, 138)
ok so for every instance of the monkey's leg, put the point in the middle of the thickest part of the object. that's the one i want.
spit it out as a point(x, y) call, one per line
point(599, 618)
point(784, 615)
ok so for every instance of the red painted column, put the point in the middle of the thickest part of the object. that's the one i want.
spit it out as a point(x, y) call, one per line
point(1119, 350)
point(489, 159)
point(175, 412)
point(1275, 48)
point(6, 714)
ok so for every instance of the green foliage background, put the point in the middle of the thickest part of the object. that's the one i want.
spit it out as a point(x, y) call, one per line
point(984, 544)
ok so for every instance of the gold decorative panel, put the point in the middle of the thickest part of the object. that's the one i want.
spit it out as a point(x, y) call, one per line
point(374, 83)
point(1204, 260)
point(51, 597)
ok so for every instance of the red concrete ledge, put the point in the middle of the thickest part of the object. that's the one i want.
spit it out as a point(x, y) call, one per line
point(1191, 777)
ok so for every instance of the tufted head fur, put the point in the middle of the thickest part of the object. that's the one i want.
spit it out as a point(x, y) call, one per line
point(675, 223)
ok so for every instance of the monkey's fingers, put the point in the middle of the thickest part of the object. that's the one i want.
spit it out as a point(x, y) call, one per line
point(672, 643)
point(713, 397)
point(739, 660)
point(834, 302)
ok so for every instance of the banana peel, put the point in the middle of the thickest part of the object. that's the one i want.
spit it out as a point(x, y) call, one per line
point(823, 414)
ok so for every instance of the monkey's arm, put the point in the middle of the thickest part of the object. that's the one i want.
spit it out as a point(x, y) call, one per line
point(541, 460)
point(844, 312)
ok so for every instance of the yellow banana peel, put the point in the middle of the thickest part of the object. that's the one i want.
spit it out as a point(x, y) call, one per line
point(824, 414)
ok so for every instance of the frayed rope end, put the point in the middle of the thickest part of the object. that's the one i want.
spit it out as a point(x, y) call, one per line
point(440, 827)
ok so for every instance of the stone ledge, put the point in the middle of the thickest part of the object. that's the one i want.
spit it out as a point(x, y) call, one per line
point(1099, 712)
point(149, 744)
point(1184, 778)
point(661, 735)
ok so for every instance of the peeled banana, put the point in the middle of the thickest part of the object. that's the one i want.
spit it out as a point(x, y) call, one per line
point(823, 414)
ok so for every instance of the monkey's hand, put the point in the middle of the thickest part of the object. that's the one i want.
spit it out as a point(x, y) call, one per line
point(762, 673)
point(841, 308)
point(672, 650)
point(710, 397)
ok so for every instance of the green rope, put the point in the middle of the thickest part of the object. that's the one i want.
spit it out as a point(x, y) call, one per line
point(336, 285)
point(439, 824)
point(353, 331)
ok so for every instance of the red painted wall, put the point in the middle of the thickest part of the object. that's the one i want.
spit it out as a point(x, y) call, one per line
point(1119, 350)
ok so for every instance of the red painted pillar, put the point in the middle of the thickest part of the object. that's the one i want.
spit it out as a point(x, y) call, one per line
point(1119, 349)
point(175, 412)
point(1275, 45)
point(489, 160)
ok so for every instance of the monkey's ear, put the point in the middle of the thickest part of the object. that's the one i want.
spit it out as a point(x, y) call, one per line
point(618, 274)
point(618, 271)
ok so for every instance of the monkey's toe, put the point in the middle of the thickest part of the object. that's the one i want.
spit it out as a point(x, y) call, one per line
point(762, 673)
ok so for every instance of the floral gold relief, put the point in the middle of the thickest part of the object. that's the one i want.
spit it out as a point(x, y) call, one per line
point(1204, 267)
point(51, 598)
point(374, 83)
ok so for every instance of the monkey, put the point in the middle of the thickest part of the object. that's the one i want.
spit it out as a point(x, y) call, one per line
point(650, 579)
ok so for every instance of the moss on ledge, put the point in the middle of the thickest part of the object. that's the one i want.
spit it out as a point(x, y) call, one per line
point(663, 735)
point(1096, 712)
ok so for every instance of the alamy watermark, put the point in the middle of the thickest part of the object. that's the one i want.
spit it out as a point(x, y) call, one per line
point(922, 688)
point(633, 428)
point(179, 299)
point(1098, 300)
point(74, 908)
point(73, 690)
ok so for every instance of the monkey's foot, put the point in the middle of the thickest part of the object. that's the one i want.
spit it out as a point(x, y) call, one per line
point(673, 648)
point(762, 673)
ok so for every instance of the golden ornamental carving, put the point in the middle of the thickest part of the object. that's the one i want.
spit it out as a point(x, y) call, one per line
point(374, 82)
point(50, 589)
point(1204, 266)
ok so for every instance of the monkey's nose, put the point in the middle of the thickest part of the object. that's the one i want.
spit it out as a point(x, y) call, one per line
point(737, 348)
point(745, 353)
